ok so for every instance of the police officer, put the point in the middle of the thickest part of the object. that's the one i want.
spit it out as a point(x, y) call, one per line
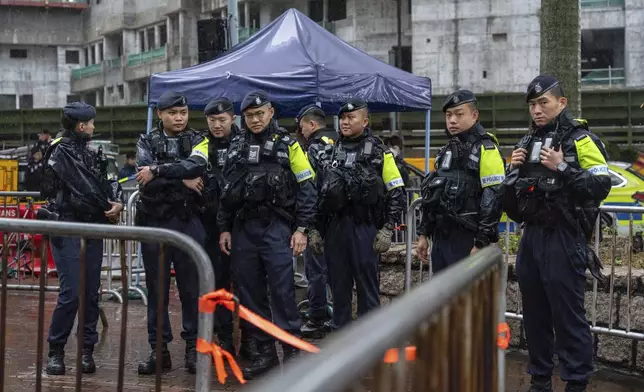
point(395, 145)
point(361, 197)
point(172, 152)
point(268, 204)
point(221, 127)
point(558, 177)
point(78, 191)
point(311, 122)
point(461, 204)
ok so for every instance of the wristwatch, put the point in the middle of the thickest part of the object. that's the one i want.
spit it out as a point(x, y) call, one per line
point(154, 169)
point(561, 167)
point(303, 230)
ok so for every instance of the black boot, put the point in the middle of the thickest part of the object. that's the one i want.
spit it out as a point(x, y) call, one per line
point(576, 386)
point(191, 356)
point(265, 360)
point(248, 349)
point(314, 329)
point(149, 366)
point(56, 360)
point(289, 352)
point(89, 366)
point(541, 384)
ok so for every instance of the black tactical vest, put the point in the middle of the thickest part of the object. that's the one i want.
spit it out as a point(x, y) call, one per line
point(455, 186)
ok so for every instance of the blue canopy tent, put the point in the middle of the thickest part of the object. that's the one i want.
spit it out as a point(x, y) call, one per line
point(298, 62)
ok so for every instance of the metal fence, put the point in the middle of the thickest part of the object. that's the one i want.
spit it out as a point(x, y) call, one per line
point(123, 234)
point(451, 323)
point(25, 262)
point(610, 328)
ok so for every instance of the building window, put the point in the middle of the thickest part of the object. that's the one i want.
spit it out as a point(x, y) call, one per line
point(73, 98)
point(92, 55)
point(26, 102)
point(499, 37)
point(121, 92)
point(142, 41)
point(72, 57)
point(86, 50)
point(405, 60)
point(163, 35)
point(602, 57)
point(150, 33)
point(337, 10)
point(18, 53)
point(100, 52)
point(7, 101)
point(316, 10)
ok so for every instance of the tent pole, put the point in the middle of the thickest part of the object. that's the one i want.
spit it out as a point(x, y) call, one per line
point(149, 124)
point(233, 23)
point(336, 124)
point(428, 117)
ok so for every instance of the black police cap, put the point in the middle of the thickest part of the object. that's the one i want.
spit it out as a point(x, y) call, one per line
point(254, 99)
point(308, 110)
point(218, 106)
point(540, 85)
point(79, 111)
point(458, 98)
point(352, 106)
point(171, 99)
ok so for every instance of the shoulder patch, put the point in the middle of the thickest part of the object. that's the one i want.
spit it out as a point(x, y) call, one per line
point(579, 135)
point(488, 144)
point(289, 140)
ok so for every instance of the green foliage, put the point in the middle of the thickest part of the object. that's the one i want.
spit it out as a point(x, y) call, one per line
point(616, 153)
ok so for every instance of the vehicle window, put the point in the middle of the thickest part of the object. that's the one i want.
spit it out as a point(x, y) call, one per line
point(616, 180)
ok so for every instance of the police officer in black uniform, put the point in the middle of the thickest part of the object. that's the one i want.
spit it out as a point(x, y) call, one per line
point(311, 123)
point(361, 197)
point(75, 183)
point(558, 177)
point(171, 153)
point(461, 203)
point(268, 204)
point(221, 128)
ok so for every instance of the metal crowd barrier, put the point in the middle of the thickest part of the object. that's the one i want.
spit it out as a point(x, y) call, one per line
point(610, 329)
point(452, 321)
point(123, 233)
point(23, 261)
point(22, 247)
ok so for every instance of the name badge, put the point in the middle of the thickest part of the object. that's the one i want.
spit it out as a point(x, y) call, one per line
point(172, 147)
point(253, 154)
point(221, 157)
point(535, 153)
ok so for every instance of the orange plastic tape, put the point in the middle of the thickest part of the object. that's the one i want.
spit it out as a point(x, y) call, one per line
point(218, 355)
point(391, 356)
point(503, 339)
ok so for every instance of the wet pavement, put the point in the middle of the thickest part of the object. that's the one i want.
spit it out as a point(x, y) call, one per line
point(20, 363)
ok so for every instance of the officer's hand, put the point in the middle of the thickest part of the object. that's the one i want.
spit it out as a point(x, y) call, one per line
point(518, 157)
point(382, 243)
point(298, 243)
point(225, 241)
point(114, 213)
point(422, 248)
point(474, 250)
point(144, 175)
point(550, 158)
point(196, 184)
point(316, 242)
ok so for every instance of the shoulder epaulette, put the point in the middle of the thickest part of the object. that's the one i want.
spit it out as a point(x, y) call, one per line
point(488, 143)
point(288, 140)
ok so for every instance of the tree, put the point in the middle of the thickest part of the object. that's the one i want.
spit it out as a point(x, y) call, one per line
point(561, 47)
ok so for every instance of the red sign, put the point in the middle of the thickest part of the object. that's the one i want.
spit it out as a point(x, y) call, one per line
point(8, 212)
